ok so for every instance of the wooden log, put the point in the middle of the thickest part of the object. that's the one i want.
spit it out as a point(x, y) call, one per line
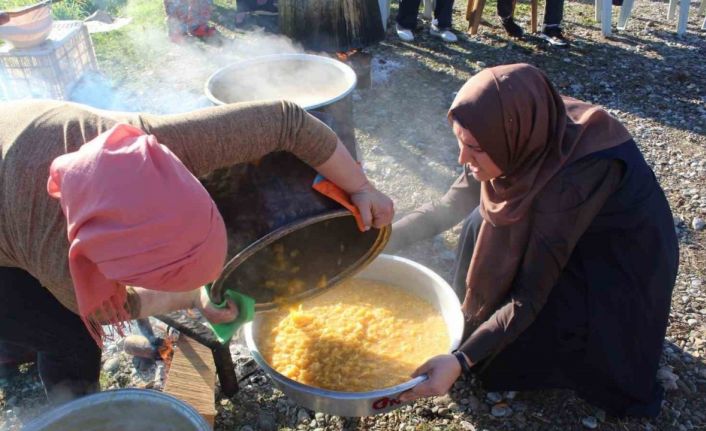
point(332, 25)
point(192, 377)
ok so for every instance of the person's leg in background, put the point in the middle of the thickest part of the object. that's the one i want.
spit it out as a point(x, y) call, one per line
point(407, 19)
point(441, 25)
point(68, 358)
point(505, 12)
point(553, 15)
point(177, 12)
point(199, 15)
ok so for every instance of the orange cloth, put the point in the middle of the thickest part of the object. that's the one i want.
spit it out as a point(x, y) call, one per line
point(331, 190)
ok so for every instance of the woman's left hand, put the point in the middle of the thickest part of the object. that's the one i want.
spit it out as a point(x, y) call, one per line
point(443, 370)
point(215, 314)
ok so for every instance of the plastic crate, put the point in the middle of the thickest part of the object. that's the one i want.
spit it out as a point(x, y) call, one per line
point(49, 70)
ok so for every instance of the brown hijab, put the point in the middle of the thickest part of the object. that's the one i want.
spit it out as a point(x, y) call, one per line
point(530, 132)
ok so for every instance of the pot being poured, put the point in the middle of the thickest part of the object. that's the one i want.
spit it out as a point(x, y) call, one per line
point(285, 239)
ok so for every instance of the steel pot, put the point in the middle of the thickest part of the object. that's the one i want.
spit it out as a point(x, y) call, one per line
point(122, 409)
point(331, 25)
point(316, 83)
point(270, 205)
point(404, 273)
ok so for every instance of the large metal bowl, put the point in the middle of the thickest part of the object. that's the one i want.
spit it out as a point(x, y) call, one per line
point(29, 29)
point(404, 273)
point(122, 409)
point(311, 81)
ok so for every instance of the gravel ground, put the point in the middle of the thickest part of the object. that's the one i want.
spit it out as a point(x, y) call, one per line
point(654, 81)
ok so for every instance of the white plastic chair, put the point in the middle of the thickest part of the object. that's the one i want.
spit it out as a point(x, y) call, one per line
point(428, 8)
point(683, 13)
point(384, 12)
point(604, 15)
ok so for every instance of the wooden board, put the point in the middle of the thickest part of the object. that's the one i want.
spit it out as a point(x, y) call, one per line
point(192, 377)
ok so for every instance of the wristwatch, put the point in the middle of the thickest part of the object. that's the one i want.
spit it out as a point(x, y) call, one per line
point(461, 358)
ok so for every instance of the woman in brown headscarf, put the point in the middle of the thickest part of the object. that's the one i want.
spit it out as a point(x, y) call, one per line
point(569, 261)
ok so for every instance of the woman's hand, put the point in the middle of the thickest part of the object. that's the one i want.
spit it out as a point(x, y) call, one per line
point(212, 313)
point(376, 209)
point(443, 370)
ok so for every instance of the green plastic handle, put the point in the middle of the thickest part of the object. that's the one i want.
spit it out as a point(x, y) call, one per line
point(246, 312)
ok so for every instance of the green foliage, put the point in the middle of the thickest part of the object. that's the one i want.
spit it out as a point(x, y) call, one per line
point(149, 13)
point(71, 9)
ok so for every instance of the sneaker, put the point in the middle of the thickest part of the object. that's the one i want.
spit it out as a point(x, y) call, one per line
point(404, 33)
point(444, 33)
point(511, 27)
point(554, 37)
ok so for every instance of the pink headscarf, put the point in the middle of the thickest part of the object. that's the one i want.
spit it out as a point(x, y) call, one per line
point(136, 216)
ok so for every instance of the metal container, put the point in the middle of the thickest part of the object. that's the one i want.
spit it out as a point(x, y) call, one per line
point(122, 409)
point(314, 82)
point(331, 25)
point(406, 274)
point(270, 206)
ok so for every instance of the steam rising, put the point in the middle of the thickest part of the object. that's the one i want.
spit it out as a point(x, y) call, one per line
point(173, 76)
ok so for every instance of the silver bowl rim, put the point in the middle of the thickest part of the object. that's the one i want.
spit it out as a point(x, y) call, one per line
point(347, 71)
point(106, 397)
point(339, 395)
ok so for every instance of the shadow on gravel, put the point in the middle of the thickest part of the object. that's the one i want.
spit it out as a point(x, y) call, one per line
point(646, 71)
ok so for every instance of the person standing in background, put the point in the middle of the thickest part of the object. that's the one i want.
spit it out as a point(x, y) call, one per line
point(440, 25)
point(551, 30)
point(188, 18)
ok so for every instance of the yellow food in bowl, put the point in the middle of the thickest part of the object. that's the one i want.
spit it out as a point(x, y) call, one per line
point(359, 336)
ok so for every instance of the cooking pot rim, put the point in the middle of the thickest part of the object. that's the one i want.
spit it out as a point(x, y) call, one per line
point(108, 397)
point(249, 334)
point(328, 393)
point(219, 285)
point(348, 73)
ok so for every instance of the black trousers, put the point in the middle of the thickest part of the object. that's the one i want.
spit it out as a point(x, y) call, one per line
point(407, 15)
point(553, 11)
point(550, 353)
point(30, 317)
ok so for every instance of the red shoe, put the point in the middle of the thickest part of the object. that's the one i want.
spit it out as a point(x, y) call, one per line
point(203, 31)
point(12, 355)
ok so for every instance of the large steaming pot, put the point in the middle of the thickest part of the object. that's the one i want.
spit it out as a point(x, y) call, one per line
point(316, 83)
point(403, 273)
point(270, 206)
point(123, 409)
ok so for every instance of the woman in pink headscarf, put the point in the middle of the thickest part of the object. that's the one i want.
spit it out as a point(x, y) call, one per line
point(102, 218)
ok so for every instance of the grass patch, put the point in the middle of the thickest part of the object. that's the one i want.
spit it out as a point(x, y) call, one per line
point(148, 13)
point(71, 9)
point(125, 53)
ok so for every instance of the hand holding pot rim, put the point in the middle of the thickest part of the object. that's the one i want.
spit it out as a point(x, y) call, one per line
point(442, 370)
